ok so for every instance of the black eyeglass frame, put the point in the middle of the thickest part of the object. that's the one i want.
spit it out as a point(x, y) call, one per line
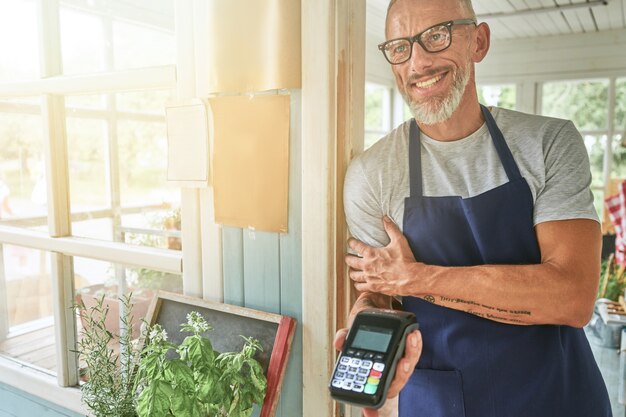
point(417, 38)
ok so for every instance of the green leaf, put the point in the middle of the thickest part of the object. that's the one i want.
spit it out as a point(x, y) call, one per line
point(177, 371)
point(154, 401)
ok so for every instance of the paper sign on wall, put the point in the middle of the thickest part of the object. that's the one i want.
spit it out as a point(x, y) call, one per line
point(188, 143)
point(253, 45)
point(251, 161)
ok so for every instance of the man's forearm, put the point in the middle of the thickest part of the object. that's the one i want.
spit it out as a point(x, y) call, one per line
point(514, 294)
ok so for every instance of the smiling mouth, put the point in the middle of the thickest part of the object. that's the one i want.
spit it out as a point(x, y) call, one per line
point(430, 82)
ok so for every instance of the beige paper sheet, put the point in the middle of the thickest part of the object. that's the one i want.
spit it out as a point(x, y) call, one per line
point(188, 143)
point(251, 161)
point(254, 45)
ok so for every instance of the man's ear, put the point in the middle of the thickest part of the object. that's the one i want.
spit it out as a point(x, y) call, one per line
point(483, 41)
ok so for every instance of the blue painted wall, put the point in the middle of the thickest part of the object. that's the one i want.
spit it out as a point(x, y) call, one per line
point(16, 403)
point(264, 270)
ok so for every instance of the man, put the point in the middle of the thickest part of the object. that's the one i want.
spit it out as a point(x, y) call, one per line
point(500, 244)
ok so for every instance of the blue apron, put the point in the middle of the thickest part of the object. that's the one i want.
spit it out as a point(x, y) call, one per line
point(472, 366)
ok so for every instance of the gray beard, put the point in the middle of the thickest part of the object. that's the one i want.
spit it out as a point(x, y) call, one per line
point(437, 109)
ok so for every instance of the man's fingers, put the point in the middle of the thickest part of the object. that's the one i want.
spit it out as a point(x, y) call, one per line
point(406, 365)
point(340, 338)
point(358, 247)
point(391, 228)
point(354, 262)
point(368, 412)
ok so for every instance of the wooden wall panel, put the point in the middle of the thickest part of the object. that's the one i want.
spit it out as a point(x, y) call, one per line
point(264, 270)
point(232, 247)
point(291, 269)
point(261, 271)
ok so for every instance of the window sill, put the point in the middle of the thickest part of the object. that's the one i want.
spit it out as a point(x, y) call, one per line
point(40, 384)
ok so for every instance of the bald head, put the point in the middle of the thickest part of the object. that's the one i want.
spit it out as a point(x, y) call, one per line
point(465, 5)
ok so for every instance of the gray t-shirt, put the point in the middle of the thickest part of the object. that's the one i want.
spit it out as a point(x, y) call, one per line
point(550, 154)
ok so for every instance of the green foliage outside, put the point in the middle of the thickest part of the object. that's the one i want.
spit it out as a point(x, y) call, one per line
point(612, 280)
point(497, 95)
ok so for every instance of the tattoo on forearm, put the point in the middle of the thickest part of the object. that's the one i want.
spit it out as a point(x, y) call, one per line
point(430, 299)
point(487, 315)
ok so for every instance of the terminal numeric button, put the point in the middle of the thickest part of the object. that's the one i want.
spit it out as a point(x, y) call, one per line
point(367, 364)
point(347, 385)
point(344, 360)
point(337, 383)
point(358, 388)
point(355, 362)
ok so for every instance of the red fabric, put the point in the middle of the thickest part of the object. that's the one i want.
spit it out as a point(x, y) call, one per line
point(616, 206)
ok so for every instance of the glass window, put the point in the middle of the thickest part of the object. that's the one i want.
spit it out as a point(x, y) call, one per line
point(498, 95)
point(83, 45)
point(584, 102)
point(138, 45)
point(86, 147)
point(26, 322)
point(620, 105)
point(18, 21)
point(94, 279)
point(149, 101)
point(377, 112)
point(22, 169)
point(134, 204)
point(85, 101)
point(596, 145)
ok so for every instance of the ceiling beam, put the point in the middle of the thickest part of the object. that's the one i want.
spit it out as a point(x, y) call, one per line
point(588, 4)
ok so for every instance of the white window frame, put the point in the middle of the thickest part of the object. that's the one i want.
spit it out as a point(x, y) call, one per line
point(52, 86)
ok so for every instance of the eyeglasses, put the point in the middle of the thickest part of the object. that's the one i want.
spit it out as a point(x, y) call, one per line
point(434, 39)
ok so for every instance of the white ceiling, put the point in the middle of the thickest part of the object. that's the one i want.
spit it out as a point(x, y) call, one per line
point(556, 22)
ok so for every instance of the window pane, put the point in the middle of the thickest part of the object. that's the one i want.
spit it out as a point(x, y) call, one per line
point(86, 147)
point(19, 46)
point(620, 105)
point(94, 279)
point(137, 45)
point(143, 163)
point(26, 324)
point(583, 102)
point(497, 95)
point(595, 145)
point(377, 107)
point(85, 101)
point(82, 42)
point(22, 169)
point(151, 101)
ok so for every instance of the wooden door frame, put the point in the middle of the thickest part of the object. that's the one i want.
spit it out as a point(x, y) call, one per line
point(333, 80)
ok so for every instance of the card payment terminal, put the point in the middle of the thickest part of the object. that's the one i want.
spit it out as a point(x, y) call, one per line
point(366, 365)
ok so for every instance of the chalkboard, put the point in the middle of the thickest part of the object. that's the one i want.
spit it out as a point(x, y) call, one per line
point(273, 331)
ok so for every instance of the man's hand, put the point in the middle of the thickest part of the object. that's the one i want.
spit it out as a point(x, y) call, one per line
point(404, 369)
point(382, 270)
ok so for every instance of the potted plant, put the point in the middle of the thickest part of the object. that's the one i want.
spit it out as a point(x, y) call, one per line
point(164, 379)
point(195, 380)
point(108, 361)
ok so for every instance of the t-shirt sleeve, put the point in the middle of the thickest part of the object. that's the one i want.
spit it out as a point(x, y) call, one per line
point(362, 207)
point(566, 193)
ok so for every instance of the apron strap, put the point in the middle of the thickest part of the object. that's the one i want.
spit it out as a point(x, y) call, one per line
point(415, 160)
point(506, 157)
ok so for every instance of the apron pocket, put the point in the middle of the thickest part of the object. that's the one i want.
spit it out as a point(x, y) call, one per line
point(432, 393)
